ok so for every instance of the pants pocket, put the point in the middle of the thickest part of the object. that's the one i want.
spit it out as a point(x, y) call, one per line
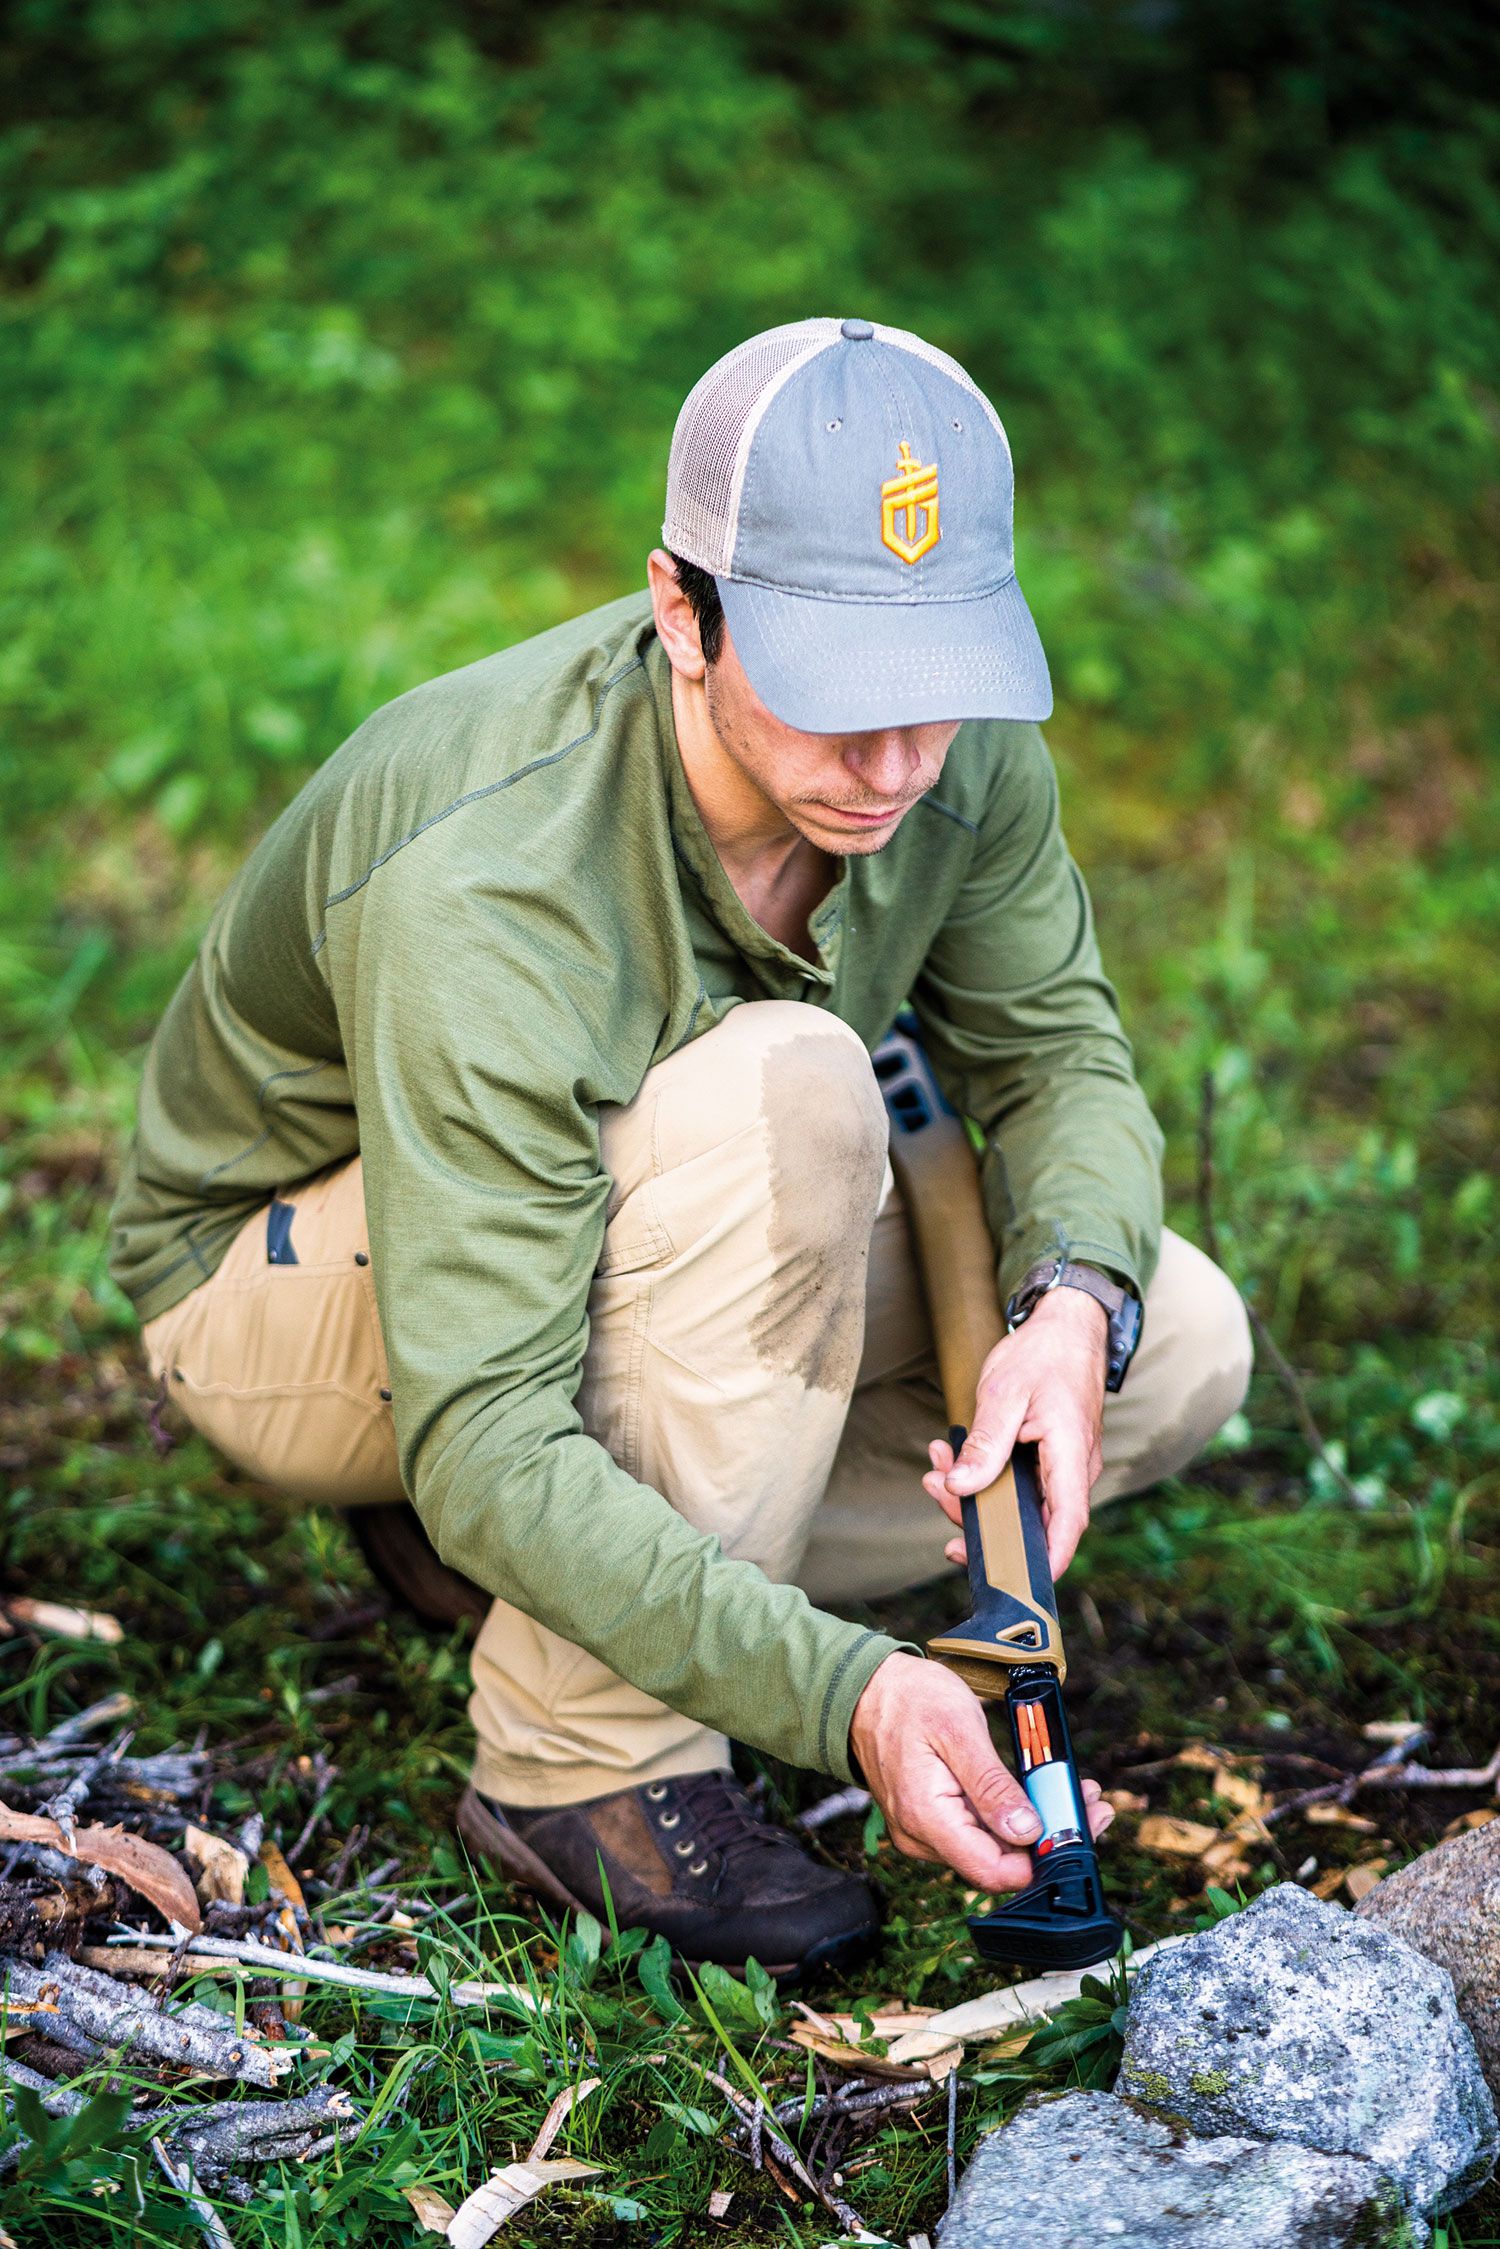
point(277, 1358)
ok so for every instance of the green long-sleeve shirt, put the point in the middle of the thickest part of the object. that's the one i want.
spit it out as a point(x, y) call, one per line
point(493, 910)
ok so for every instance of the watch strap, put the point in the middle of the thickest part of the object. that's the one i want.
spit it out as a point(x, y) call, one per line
point(1122, 1307)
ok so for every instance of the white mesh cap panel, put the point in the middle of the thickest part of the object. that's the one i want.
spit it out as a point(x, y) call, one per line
point(711, 442)
point(904, 340)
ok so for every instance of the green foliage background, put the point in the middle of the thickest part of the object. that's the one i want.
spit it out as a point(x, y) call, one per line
point(341, 343)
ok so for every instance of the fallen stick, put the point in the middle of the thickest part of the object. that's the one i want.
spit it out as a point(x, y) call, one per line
point(845, 2102)
point(19, 1610)
point(57, 2100)
point(64, 1804)
point(218, 2136)
point(207, 2217)
point(93, 2014)
point(1392, 1769)
point(171, 1774)
point(265, 1959)
point(754, 2114)
point(836, 1807)
point(229, 2134)
point(101, 1713)
point(137, 1960)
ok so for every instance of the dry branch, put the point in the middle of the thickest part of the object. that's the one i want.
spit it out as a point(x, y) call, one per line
point(94, 2015)
point(231, 2134)
point(753, 2113)
point(265, 1959)
point(1393, 1768)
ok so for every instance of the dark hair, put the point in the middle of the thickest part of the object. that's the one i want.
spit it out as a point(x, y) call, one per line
point(702, 597)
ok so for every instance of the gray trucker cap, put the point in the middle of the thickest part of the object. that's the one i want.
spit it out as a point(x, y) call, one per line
point(850, 489)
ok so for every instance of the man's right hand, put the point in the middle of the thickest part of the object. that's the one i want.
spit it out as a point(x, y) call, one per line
point(924, 1747)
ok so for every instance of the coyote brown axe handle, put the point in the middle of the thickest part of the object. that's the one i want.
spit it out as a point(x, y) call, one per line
point(1010, 1646)
point(1014, 1619)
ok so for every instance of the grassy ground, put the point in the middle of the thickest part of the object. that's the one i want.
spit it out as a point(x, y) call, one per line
point(339, 355)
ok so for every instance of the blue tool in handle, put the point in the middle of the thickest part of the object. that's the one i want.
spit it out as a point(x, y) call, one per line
point(1009, 1648)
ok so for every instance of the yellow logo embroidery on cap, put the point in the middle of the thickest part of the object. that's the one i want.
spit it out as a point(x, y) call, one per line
point(911, 493)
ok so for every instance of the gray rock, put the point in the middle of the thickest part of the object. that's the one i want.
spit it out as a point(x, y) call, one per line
point(1084, 2170)
point(1447, 1904)
point(1294, 2021)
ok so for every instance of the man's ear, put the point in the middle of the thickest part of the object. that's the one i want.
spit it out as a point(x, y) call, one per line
point(676, 626)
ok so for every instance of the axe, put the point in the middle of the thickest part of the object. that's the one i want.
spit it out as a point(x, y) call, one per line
point(1010, 1647)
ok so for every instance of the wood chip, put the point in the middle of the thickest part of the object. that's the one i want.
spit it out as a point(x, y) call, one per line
point(1339, 1815)
point(58, 1617)
point(430, 2209)
point(1244, 1794)
point(222, 1866)
point(283, 1881)
point(287, 1935)
point(1391, 1729)
point(150, 1871)
point(1225, 1860)
point(488, 2207)
point(912, 2049)
point(1127, 1800)
point(1171, 1838)
point(1328, 1885)
point(1359, 1881)
point(1466, 1821)
point(1022, 2006)
point(552, 2123)
point(719, 2201)
point(1198, 1757)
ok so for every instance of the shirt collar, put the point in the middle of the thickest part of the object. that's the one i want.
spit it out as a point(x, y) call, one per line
point(695, 851)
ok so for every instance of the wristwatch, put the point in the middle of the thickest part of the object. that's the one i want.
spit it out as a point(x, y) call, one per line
point(1123, 1308)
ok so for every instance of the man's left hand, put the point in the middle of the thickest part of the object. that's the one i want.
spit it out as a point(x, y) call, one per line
point(1044, 1384)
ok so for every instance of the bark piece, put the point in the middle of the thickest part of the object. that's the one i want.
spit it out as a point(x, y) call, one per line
point(222, 1866)
point(430, 2209)
point(148, 1869)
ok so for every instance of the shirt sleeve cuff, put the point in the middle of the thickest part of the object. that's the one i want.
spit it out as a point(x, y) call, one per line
point(853, 1673)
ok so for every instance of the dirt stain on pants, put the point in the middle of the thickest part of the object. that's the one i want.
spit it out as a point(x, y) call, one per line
point(826, 1126)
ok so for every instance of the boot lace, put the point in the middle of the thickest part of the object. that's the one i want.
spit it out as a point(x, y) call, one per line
point(722, 1819)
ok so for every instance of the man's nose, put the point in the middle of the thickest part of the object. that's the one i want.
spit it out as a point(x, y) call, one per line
point(885, 762)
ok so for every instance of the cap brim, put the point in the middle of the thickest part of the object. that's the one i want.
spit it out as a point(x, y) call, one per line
point(854, 667)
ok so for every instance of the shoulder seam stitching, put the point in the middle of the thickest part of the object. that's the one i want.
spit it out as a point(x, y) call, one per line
point(491, 788)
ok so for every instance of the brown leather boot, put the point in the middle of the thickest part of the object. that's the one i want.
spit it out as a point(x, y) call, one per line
point(691, 1858)
point(403, 1561)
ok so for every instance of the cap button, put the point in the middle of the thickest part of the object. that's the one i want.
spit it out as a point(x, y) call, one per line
point(856, 331)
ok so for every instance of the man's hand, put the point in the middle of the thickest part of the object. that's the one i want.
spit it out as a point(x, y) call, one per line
point(1044, 1384)
point(924, 1747)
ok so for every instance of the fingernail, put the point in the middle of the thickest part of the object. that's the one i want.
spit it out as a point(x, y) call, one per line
point(1021, 1827)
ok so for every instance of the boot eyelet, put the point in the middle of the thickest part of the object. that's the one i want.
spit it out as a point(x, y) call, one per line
point(657, 1791)
point(685, 1850)
point(670, 1819)
point(699, 1866)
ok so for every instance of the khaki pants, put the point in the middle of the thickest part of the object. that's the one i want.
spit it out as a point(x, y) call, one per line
point(759, 1352)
